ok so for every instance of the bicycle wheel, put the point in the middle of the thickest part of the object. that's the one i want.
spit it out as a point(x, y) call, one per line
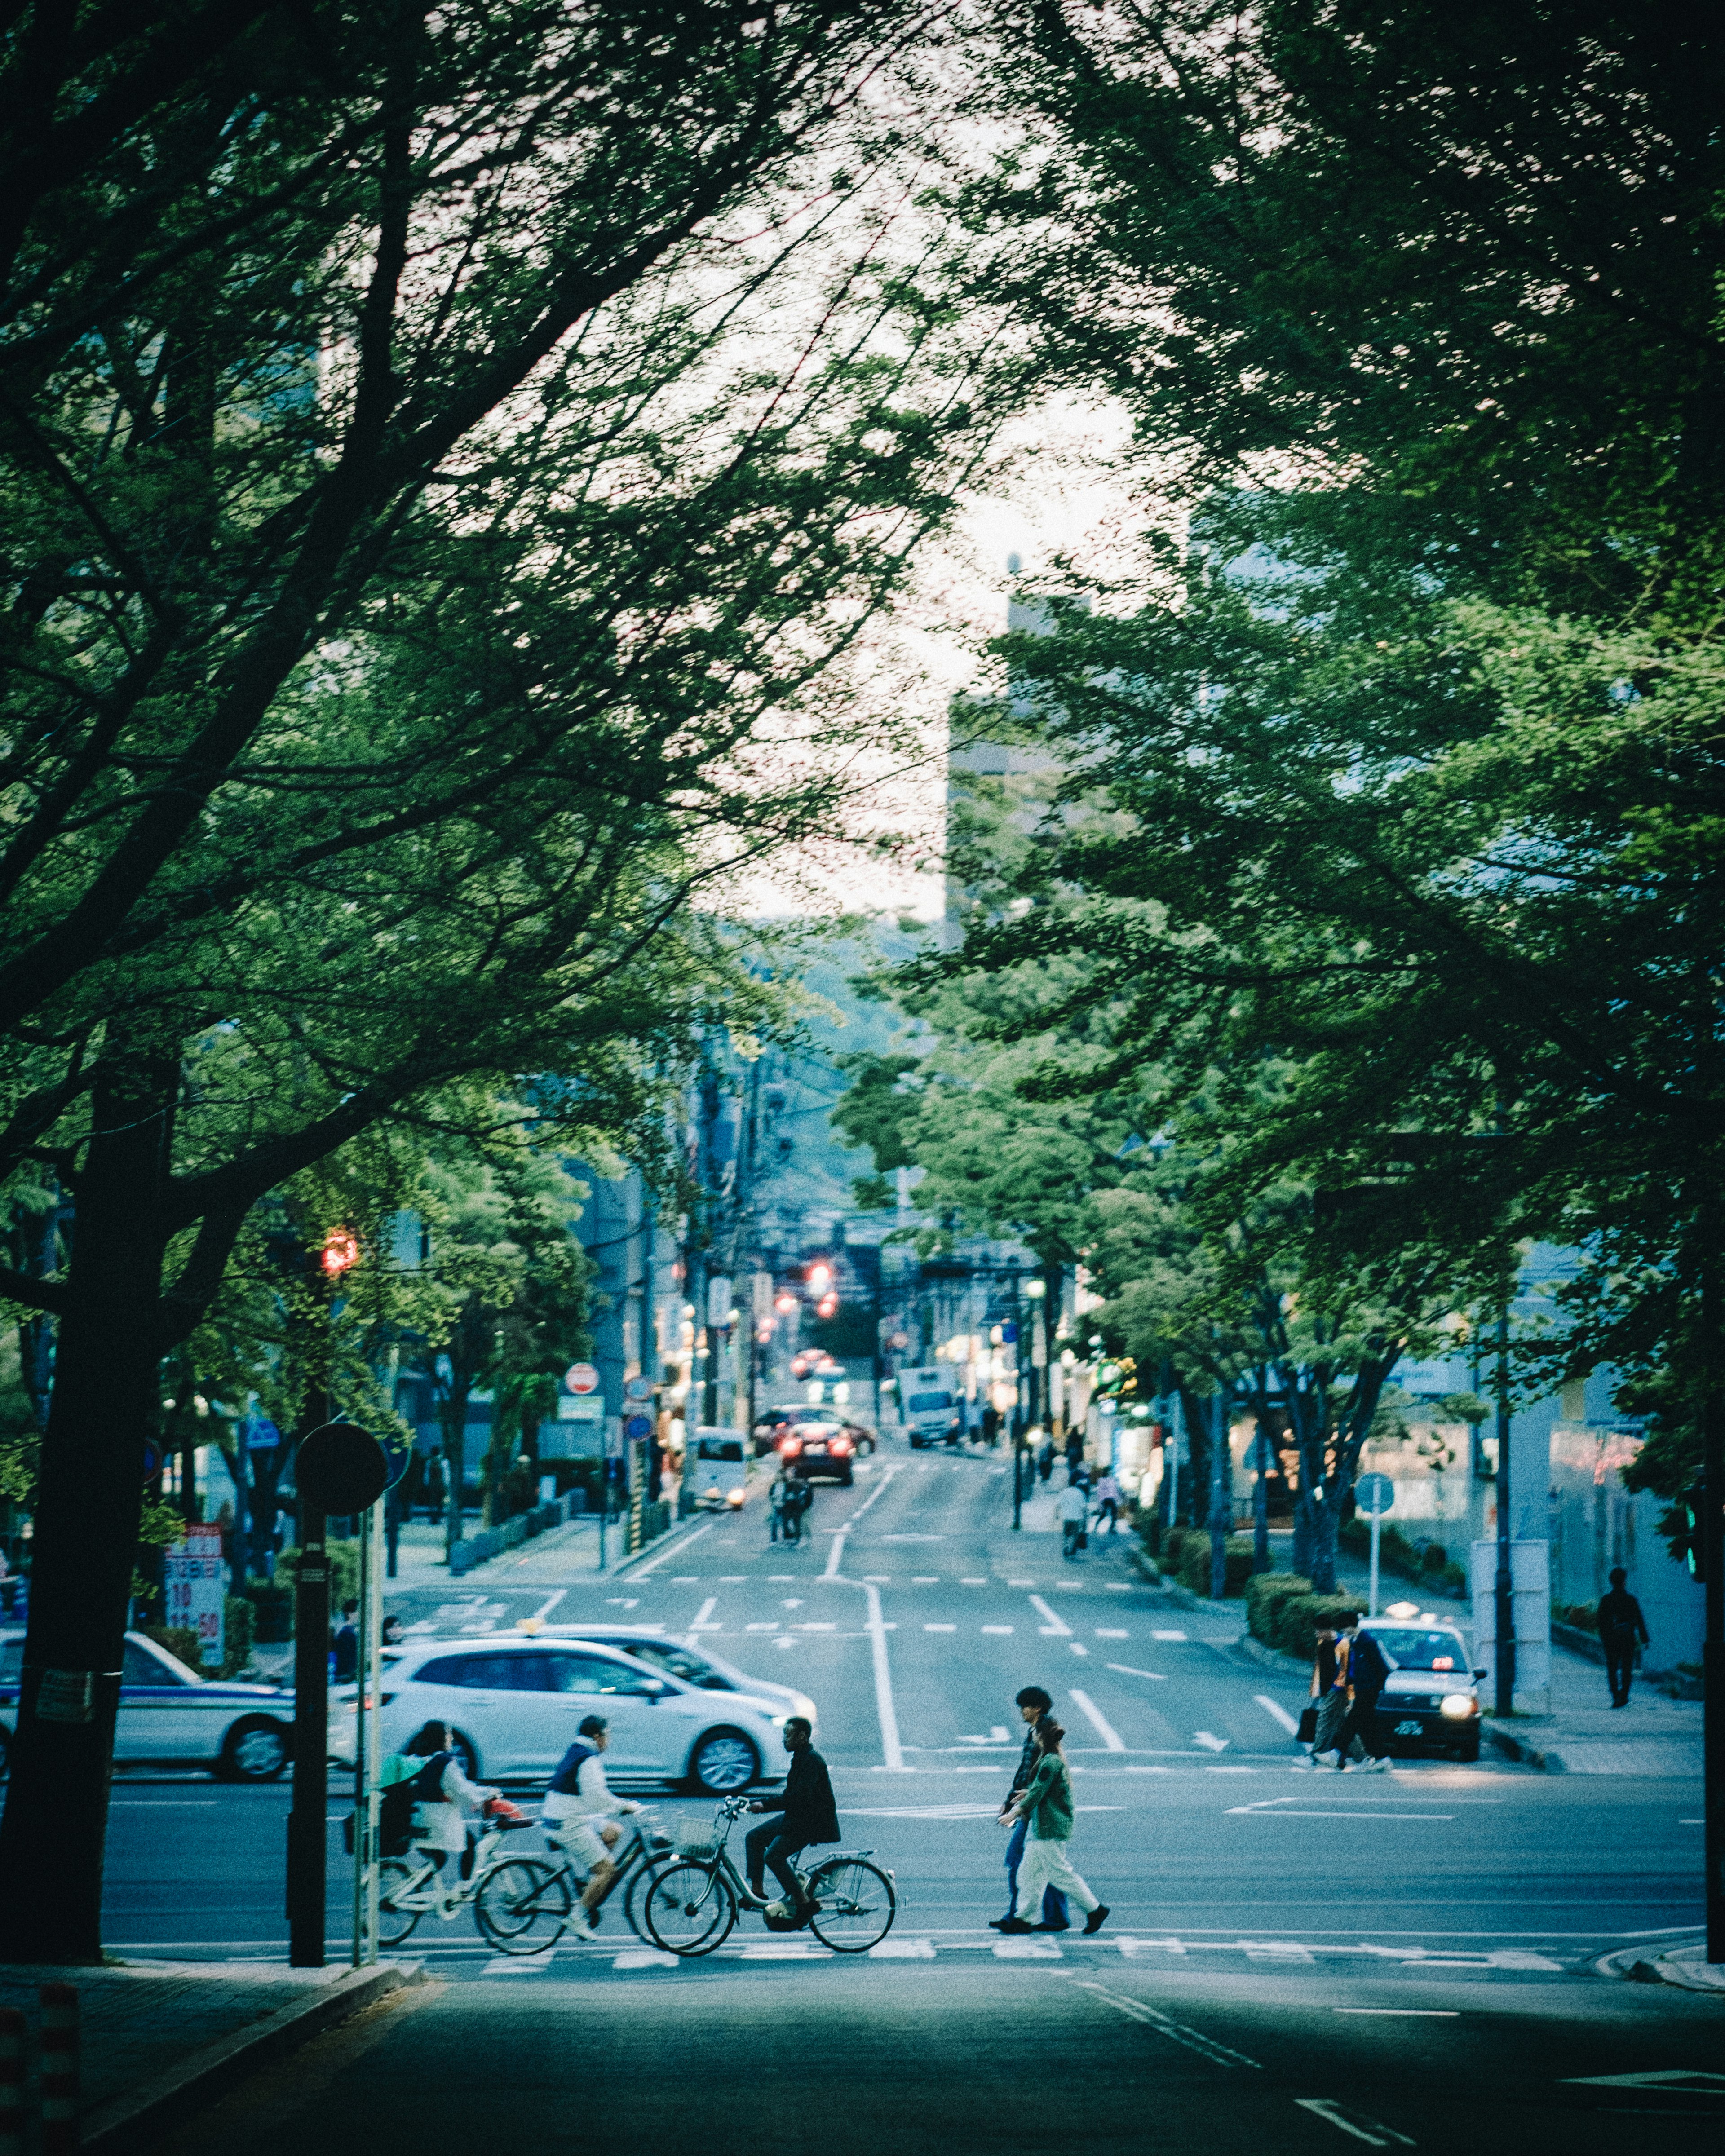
point(635, 1897)
point(394, 1923)
point(523, 1907)
point(689, 1909)
point(857, 1905)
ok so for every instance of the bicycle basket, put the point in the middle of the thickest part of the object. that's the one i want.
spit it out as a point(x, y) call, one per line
point(695, 1839)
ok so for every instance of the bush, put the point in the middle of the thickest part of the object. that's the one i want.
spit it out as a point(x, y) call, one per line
point(1266, 1593)
point(272, 1613)
point(239, 1628)
point(1173, 1544)
point(1434, 1557)
point(1297, 1617)
point(182, 1642)
point(344, 1574)
point(1195, 1562)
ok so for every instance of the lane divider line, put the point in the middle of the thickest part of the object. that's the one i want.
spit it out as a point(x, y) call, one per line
point(1135, 2010)
point(1111, 1737)
point(1276, 1711)
point(1369, 2130)
point(1052, 1624)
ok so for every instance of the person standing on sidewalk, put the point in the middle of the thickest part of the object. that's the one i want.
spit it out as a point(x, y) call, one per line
point(1033, 1705)
point(1046, 1805)
point(1622, 1629)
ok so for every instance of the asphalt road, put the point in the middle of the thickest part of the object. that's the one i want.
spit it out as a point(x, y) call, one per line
point(1323, 1960)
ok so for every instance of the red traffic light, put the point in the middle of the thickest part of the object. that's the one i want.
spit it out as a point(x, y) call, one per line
point(341, 1252)
point(819, 1276)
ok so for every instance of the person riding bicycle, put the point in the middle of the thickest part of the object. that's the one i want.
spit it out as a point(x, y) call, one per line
point(431, 1769)
point(807, 1814)
point(580, 1810)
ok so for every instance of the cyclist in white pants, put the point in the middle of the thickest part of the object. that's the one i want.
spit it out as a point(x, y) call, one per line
point(580, 1811)
point(1046, 1804)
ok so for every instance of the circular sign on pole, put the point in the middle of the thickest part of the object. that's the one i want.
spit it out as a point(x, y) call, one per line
point(341, 1468)
point(581, 1378)
point(152, 1460)
point(639, 1426)
point(1374, 1495)
point(639, 1388)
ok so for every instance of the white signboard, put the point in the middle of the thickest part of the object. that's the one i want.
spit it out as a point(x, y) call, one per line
point(196, 1588)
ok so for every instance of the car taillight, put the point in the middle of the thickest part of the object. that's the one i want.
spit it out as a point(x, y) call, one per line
point(839, 1445)
point(790, 1445)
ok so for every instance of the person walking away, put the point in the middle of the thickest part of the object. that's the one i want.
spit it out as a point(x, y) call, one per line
point(1622, 1628)
point(441, 1796)
point(1045, 1458)
point(345, 1668)
point(806, 1814)
point(581, 1812)
point(1074, 1510)
point(1045, 1804)
point(1033, 1705)
point(1367, 1673)
point(1329, 1691)
point(1108, 1496)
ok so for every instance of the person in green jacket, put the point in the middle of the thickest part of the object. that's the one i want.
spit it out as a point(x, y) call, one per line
point(1046, 1805)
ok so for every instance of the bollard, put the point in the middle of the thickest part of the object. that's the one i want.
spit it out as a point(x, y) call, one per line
point(59, 2069)
point(12, 2082)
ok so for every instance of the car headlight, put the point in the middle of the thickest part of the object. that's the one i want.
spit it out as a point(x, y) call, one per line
point(1459, 1705)
point(778, 1721)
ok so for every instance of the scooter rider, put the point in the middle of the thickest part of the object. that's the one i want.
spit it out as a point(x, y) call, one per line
point(581, 1811)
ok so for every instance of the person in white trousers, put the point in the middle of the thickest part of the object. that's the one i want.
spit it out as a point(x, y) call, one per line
point(1046, 1805)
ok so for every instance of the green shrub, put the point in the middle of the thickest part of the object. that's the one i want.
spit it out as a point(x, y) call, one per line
point(1434, 1557)
point(182, 1642)
point(1454, 1577)
point(1195, 1564)
point(1355, 1536)
point(1266, 1593)
point(1297, 1617)
point(239, 1628)
point(344, 1573)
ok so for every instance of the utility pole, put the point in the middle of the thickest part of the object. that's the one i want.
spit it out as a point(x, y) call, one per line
point(1712, 1557)
point(1504, 1617)
point(1221, 1498)
point(1260, 1507)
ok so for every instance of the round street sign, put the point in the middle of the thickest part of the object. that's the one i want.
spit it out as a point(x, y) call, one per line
point(581, 1378)
point(341, 1468)
point(638, 1425)
point(1374, 1493)
point(152, 1460)
point(639, 1388)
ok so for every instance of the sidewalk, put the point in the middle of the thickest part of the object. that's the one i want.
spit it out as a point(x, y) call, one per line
point(159, 2038)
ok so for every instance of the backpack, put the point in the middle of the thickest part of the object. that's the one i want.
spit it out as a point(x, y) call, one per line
point(1366, 1669)
point(395, 1812)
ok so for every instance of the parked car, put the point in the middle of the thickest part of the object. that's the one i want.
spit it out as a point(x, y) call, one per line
point(514, 1706)
point(1430, 1700)
point(665, 1651)
point(776, 1423)
point(171, 1717)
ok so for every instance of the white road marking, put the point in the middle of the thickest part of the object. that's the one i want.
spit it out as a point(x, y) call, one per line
point(1366, 2129)
point(1077, 1646)
point(546, 1607)
point(1104, 1633)
point(940, 1627)
point(925, 1579)
point(771, 1625)
point(1697, 2081)
point(1111, 1737)
point(1210, 1742)
point(1027, 1950)
point(817, 1628)
point(1126, 1670)
point(997, 1735)
point(885, 1712)
point(1406, 2013)
point(1178, 1636)
point(1286, 1808)
point(694, 1535)
point(903, 1950)
point(703, 1614)
point(519, 1964)
point(999, 1631)
point(1052, 1625)
point(644, 1957)
point(1021, 1582)
point(972, 1583)
point(791, 1602)
point(1135, 2010)
point(1277, 1712)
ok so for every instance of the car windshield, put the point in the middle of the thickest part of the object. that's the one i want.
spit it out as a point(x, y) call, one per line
point(930, 1403)
point(1412, 1650)
point(677, 1662)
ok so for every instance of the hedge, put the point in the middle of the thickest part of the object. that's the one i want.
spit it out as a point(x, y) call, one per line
point(239, 1626)
point(1266, 1593)
point(1195, 1562)
point(182, 1642)
point(1297, 1617)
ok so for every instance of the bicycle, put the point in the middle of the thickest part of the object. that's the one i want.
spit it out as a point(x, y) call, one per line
point(526, 1905)
point(694, 1899)
point(408, 1890)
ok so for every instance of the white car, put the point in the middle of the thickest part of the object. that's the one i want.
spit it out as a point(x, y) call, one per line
point(668, 1653)
point(515, 1705)
point(171, 1717)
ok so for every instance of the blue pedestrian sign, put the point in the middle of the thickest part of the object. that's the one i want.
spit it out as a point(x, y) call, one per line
point(638, 1425)
point(1374, 1493)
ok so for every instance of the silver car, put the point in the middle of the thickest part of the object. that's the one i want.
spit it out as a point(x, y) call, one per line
point(171, 1717)
point(515, 1705)
point(669, 1652)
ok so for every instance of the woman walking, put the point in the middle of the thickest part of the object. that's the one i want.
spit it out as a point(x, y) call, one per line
point(1047, 1806)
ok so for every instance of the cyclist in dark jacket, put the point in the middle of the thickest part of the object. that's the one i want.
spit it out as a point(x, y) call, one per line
point(807, 1814)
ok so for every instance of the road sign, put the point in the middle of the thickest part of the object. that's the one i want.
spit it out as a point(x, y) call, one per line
point(341, 1468)
point(152, 1460)
point(639, 1388)
point(1374, 1493)
point(581, 1378)
point(261, 1434)
point(638, 1425)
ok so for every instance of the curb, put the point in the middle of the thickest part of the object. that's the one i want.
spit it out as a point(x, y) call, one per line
point(1272, 1658)
point(1632, 1965)
point(136, 2119)
point(1518, 1747)
point(1183, 1598)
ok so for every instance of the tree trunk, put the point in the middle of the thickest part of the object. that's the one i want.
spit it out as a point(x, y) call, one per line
point(1325, 1518)
point(104, 1403)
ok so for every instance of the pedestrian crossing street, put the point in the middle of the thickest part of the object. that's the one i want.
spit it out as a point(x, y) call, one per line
point(962, 1948)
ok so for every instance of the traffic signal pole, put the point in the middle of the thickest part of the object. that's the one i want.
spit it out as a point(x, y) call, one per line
point(1504, 1612)
point(307, 1831)
point(1712, 1556)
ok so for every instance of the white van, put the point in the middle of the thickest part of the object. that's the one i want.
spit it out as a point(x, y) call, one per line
point(930, 1407)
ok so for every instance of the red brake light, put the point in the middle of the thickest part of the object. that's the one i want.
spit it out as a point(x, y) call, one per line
point(839, 1445)
point(790, 1445)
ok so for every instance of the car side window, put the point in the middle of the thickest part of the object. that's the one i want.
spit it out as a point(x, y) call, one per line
point(586, 1673)
point(473, 1672)
point(139, 1667)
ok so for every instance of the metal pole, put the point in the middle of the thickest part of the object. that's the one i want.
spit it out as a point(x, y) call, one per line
point(1503, 1616)
point(1260, 1507)
point(1220, 1509)
point(373, 1791)
point(1018, 1481)
point(1712, 1556)
point(307, 1833)
point(1377, 1520)
point(1175, 1422)
point(364, 1686)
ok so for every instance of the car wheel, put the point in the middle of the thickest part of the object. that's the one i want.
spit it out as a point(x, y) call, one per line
point(254, 1750)
point(723, 1762)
